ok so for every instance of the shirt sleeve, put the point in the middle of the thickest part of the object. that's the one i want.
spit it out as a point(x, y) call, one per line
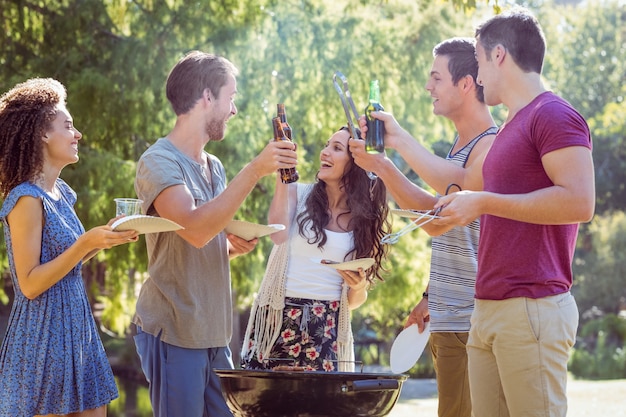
point(156, 171)
point(557, 125)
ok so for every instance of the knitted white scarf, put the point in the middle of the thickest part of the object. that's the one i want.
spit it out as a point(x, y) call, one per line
point(267, 310)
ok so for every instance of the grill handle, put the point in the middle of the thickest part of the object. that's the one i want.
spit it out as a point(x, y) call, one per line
point(371, 385)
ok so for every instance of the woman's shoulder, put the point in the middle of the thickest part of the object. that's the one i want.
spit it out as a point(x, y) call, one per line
point(24, 189)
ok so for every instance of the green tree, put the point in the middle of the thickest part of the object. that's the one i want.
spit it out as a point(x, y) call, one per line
point(114, 57)
point(601, 270)
point(586, 65)
point(301, 50)
point(585, 55)
point(609, 129)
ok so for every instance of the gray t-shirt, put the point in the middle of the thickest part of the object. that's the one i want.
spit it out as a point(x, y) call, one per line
point(187, 297)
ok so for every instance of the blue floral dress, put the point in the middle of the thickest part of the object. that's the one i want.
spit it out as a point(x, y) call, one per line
point(52, 360)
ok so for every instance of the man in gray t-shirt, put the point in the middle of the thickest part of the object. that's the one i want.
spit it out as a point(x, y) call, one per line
point(184, 311)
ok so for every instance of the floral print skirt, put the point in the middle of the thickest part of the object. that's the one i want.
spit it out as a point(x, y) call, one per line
point(308, 337)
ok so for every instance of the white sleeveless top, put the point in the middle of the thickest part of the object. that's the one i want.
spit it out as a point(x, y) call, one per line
point(306, 276)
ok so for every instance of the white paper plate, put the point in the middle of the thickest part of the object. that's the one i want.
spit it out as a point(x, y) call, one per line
point(353, 265)
point(249, 231)
point(414, 214)
point(145, 224)
point(408, 347)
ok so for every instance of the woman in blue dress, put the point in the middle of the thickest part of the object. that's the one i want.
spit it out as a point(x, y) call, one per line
point(52, 361)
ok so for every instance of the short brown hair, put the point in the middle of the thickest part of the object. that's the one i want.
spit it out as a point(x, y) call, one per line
point(194, 73)
point(520, 33)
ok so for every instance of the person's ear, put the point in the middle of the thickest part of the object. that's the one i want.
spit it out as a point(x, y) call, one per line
point(207, 95)
point(498, 53)
point(468, 83)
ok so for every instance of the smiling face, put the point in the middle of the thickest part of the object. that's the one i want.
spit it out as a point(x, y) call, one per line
point(61, 139)
point(446, 96)
point(223, 108)
point(335, 158)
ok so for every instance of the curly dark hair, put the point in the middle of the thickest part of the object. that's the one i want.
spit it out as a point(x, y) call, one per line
point(26, 114)
point(369, 222)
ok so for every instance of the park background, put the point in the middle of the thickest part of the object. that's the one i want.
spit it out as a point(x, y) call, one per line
point(114, 57)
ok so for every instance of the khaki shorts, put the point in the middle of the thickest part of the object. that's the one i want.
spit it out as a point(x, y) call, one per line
point(518, 351)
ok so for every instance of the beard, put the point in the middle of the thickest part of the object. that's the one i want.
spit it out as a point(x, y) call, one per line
point(215, 130)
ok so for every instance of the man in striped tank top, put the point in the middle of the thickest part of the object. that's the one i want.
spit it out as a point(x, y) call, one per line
point(448, 300)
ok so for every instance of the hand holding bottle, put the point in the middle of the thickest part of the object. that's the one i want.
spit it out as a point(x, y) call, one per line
point(393, 131)
point(275, 156)
point(370, 162)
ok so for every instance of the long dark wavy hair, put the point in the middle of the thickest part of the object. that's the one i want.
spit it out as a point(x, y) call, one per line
point(369, 222)
point(26, 114)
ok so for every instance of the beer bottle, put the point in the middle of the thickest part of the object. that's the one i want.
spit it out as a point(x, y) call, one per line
point(375, 137)
point(287, 175)
point(283, 118)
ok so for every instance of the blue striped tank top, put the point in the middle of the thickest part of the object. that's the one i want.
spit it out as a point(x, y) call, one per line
point(453, 266)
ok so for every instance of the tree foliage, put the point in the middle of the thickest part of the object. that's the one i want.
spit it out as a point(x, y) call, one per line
point(114, 57)
point(584, 59)
point(602, 266)
point(586, 64)
point(609, 130)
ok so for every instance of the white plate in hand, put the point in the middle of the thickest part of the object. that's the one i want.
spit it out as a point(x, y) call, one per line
point(408, 347)
point(248, 231)
point(352, 265)
point(145, 224)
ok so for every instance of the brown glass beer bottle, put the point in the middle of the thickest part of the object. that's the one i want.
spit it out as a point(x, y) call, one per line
point(280, 112)
point(287, 175)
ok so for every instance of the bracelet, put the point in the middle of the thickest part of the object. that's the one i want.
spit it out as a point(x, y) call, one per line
point(425, 294)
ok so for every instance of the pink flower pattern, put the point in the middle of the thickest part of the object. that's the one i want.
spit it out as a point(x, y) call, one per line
point(293, 313)
point(288, 335)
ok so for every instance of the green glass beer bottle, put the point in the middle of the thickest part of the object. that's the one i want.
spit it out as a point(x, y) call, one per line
point(287, 175)
point(375, 137)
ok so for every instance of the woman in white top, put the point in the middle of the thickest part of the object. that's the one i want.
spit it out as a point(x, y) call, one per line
point(301, 316)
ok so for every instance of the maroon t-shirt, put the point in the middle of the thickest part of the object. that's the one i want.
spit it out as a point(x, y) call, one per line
point(517, 259)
